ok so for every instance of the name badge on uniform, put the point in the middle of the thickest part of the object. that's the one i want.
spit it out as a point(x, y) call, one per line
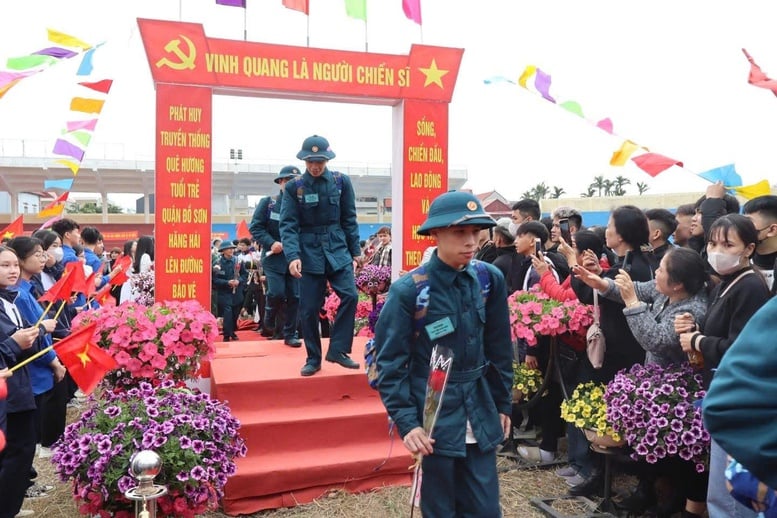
point(311, 198)
point(276, 216)
point(442, 327)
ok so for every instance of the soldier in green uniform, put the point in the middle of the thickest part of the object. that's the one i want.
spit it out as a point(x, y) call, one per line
point(320, 238)
point(282, 288)
point(466, 311)
point(229, 281)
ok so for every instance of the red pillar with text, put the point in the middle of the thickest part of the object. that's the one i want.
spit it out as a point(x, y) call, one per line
point(183, 193)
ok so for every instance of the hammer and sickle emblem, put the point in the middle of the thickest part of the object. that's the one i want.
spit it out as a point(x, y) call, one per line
point(186, 59)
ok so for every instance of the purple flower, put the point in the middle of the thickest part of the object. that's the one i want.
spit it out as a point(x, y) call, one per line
point(641, 449)
point(680, 411)
point(198, 446)
point(651, 458)
point(198, 473)
point(112, 411)
point(185, 442)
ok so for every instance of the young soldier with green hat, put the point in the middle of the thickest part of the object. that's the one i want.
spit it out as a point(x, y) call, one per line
point(320, 237)
point(468, 315)
point(282, 288)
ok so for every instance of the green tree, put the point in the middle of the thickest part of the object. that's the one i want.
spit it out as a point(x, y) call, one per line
point(600, 184)
point(529, 195)
point(541, 191)
point(642, 187)
point(557, 192)
point(92, 208)
point(589, 193)
point(608, 186)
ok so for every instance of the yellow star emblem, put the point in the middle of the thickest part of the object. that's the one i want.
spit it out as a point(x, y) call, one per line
point(433, 74)
point(8, 235)
point(84, 355)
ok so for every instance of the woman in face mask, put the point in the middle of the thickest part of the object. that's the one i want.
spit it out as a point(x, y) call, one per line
point(740, 293)
point(53, 269)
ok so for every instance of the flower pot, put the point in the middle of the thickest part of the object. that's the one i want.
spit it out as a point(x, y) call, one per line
point(517, 395)
point(603, 441)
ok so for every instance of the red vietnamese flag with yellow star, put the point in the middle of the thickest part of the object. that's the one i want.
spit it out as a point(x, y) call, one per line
point(86, 362)
point(123, 264)
point(14, 229)
point(103, 296)
point(63, 288)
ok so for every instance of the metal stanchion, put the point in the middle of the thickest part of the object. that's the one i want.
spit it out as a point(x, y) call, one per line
point(144, 466)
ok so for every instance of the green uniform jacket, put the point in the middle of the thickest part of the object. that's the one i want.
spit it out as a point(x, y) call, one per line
point(740, 408)
point(480, 338)
point(318, 222)
point(265, 229)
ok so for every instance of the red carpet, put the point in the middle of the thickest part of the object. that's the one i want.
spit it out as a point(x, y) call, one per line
point(305, 436)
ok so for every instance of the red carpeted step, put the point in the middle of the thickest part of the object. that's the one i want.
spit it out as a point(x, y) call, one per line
point(305, 436)
point(285, 471)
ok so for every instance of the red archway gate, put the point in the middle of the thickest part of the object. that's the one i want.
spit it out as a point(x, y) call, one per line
point(188, 67)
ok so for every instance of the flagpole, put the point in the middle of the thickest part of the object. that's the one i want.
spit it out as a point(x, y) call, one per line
point(245, 23)
point(32, 358)
point(366, 44)
point(308, 29)
point(45, 312)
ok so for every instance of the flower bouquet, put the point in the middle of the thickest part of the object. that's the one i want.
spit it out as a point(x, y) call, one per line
point(534, 313)
point(652, 407)
point(587, 409)
point(163, 341)
point(363, 309)
point(142, 287)
point(196, 437)
point(526, 381)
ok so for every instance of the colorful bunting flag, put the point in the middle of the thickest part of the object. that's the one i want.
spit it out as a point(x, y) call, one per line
point(356, 9)
point(573, 107)
point(33, 61)
point(620, 157)
point(8, 77)
point(605, 124)
point(755, 190)
point(654, 164)
point(232, 3)
point(66, 40)
point(298, 5)
point(81, 104)
point(49, 222)
point(63, 185)
point(526, 75)
point(103, 86)
point(57, 52)
point(84, 360)
point(542, 84)
point(83, 137)
point(15, 228)
point(82, 125)
point(242, 230)
point(73, 166)
point(54, 208)
point(725, 173)
point(63, 147)
point(86, 66)
point(412, 9)
point(4, 89)
point(758, 77)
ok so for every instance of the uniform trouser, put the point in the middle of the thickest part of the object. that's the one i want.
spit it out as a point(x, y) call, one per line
point(51, 414)
point(16, 461)
point(461, 486)
point(229, 313)
point(282, 289)
point(312, 288)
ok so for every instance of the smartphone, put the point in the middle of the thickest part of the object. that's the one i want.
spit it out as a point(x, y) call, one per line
point(626, 265)
point(537, 246)
point(563, 226)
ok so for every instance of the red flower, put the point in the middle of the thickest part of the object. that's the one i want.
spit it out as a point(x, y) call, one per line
point(437, 380)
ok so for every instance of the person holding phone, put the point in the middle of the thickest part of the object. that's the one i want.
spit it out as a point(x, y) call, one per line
point(567, 221)
point(627, 231)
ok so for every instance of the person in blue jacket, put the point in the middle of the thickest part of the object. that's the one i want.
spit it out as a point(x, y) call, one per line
point(282, 287)
point(320, 238)
point(229, 281)
point(459, 461)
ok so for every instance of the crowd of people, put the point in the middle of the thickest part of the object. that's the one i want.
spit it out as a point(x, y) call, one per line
point(671, 287)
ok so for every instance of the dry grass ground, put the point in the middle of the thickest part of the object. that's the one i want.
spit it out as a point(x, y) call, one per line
point(517, 488)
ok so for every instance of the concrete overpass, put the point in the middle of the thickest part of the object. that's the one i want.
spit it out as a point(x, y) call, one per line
point(25, 165)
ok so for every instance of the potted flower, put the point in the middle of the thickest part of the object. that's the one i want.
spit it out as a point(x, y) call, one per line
point(142, 286)
point(526, 381)
point(151, 343)
point(533, 313)
point(363, 309)
point(652, 407)
point(196, 437)
point(373, 280)
point(587, 409)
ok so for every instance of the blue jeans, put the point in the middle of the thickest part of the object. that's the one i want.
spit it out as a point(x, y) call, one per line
point(720, 503)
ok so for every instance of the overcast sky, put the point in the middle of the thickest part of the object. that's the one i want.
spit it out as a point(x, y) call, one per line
point(670, 74)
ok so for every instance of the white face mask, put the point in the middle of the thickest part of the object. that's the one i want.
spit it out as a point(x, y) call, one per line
point(58, 253)
point(88, 270)
point(724, 263)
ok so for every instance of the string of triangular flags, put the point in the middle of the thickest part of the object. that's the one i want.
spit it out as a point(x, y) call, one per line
point(651, 163)
point(74, 138)
point(353, 8)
